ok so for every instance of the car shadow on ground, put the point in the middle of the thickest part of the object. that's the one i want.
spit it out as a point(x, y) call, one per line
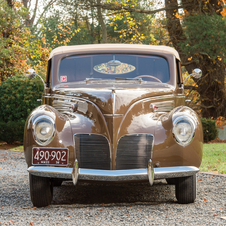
point(107, 193)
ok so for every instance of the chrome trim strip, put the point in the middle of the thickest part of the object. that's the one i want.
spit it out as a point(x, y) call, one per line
point(51, 171)
point(113, 100)
point(75, 172)
point(114, 175)
point(176, 171)
point(151, 174)
point(113, 115)
point(112, 147)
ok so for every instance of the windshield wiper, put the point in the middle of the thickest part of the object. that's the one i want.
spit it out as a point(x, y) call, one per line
point(90, 80)
point(116, 80)
point(139, 80)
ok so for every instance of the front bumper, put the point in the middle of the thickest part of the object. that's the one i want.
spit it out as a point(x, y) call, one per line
point(149, 173)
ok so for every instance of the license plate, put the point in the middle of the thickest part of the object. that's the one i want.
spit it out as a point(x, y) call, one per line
point(50, 156)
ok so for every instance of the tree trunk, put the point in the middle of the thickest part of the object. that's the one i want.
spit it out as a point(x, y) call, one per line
point(101, 21)
point(10, 3)
point(211, 86)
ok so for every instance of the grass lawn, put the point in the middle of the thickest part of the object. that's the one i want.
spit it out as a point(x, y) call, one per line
point(18, 148)
point(214, 157)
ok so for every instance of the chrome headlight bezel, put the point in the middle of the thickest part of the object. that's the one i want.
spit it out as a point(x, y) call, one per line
point(39, 138)
point(189, 131)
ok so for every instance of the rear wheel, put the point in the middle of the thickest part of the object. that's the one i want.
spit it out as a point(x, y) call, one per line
point(41, 191)
point(186, 189)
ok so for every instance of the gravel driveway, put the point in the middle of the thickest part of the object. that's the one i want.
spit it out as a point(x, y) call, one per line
point(108, 204)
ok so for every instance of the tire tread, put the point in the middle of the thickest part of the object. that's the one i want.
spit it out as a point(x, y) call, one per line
point(40, 191)
point(186, 189)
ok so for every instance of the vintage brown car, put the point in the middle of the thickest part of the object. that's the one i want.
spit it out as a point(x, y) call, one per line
point(113, 112)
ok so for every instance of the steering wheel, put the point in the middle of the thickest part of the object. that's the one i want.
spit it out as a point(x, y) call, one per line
point(149, 76)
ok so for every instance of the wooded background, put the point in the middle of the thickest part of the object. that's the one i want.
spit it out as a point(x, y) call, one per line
point(29, 30)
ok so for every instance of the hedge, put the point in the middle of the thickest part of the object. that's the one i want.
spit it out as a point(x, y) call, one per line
point(18, 97)
point(12, 131)
point(210, 131)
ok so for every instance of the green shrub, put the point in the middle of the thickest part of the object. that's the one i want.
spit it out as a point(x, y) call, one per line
point(18, 97)
point(12, 131)
point(210, 131)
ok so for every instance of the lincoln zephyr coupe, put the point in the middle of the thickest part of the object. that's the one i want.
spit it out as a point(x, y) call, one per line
point(113, 113)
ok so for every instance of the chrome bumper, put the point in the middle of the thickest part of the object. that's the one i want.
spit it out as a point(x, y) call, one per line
point(149, 173)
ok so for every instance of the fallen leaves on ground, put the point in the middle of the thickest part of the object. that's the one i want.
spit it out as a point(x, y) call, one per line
point(2, 160)
point(27, 207)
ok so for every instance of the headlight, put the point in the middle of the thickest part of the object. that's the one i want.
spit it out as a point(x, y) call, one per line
point(183, 130)
point(43, 130)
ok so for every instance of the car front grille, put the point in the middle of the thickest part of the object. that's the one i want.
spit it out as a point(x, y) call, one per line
point(134, 151)
point(92, 151)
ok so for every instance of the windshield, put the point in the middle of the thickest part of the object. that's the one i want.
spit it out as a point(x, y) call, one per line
point(114, 66)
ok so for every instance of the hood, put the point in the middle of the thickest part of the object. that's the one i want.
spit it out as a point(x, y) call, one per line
point(114, 98)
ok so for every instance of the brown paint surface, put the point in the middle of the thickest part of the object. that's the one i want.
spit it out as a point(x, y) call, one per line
point(116, 110)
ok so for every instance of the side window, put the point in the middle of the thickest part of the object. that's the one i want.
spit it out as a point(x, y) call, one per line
point(179, 73)
point(49, 70)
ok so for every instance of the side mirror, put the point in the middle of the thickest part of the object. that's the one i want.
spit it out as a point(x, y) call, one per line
point(31, 74)
point(196, 73)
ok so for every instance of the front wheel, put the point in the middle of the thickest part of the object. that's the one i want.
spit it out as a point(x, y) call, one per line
point(186, 189)
point(56, 182)
point(41, 191)
point(171, 181)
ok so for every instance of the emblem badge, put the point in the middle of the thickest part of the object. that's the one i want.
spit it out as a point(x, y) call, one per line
point(153, 107)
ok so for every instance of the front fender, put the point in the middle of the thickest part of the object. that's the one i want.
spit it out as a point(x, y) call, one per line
point(167, 152)
point(63, 136)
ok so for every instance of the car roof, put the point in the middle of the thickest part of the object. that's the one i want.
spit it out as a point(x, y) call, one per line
point(135, 48)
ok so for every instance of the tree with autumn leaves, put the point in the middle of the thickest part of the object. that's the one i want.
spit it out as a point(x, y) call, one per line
point(198, 34)
point(13, 39)
point(196, 29)
point(20, 50)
